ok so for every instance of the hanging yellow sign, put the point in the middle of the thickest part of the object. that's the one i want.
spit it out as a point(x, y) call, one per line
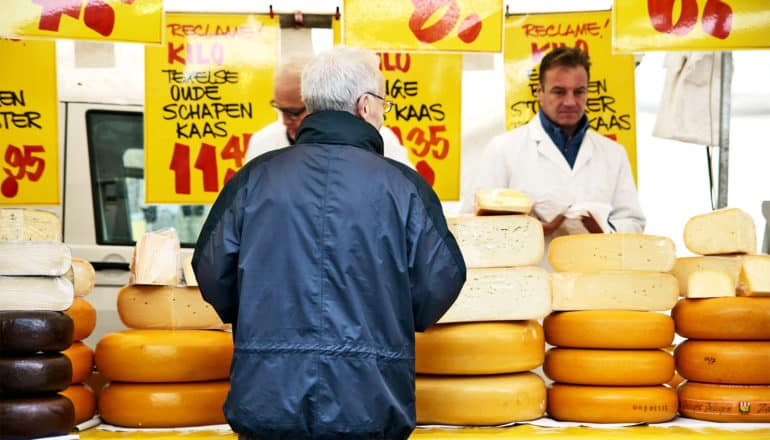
point(206, 92)
point(611, 106)
point(29, 145)
point(424, 25)
point(425, 90)
point(690, 25)
point(104, 20)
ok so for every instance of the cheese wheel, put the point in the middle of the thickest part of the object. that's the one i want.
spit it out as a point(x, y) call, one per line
point(29, 224)
point(83, 399)
point(724, 231)
point(603, 252)
point(740, 318)
point(613, 290)
point(495, 201)
point(27, 331)
point(594, 404)
point(39, 258)
point(498, 241)
point(479, 348)
point(35, 293)
point(725, 403)
point(583, 366)
point(82, 358)
point(166, 307)
point(726, 362)
point(83, 315)
point(686, 266)
point(34, 374)
point(84, 276)
point(709, 284)
point(165, 355)
point(609, 329)
point(163, 405)
point(479, 400)
point(34, 417)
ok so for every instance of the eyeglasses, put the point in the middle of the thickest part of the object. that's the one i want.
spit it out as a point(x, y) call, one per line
point(288, 112)
point(387, 104)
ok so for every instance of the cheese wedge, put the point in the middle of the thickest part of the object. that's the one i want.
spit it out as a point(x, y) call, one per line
point(609, 329)
point(725, 403)
point(726, 362)
point(685, 266)
point(755, 276)
point(582, 366)
point(29, 224)
point(498, 241)
point(166, 307)
point(599, 252)
point(616, 290)
point(495, 201)
point(502, 294)
point(84, 276)
point(35, 293)
point(595, 404)
point(155, 260)
point(709, 284)
point(724, 231)
point(736, 318)
point(189, 274)
point(42, 258)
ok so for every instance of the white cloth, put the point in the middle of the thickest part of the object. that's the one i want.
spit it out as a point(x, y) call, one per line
point(274, 136)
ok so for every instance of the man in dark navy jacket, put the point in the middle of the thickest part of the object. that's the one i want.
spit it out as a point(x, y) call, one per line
point(326, 257)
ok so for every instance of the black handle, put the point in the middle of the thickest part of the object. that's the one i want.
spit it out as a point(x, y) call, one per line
point(109, 265)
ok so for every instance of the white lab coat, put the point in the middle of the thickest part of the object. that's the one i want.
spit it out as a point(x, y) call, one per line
point(274, 136)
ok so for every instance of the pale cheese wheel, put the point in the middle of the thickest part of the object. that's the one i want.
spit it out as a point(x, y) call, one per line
point(609, 329)
point(755, 276)
point(165, 355)
point(83, 316)
point(604, 252)
point(725, 403)
point(582, 366)
point(498, 241)
point(686, 266)
point(163, 405)
point(613, 290)
point(495, 201)
point(724, 231)
point(724, 362)
point(84, 276)
point(479, 348)
point(166, 307)
point(739, 318)
point(595, 404)
point(35, 293)
point(479, 400)
point(82, 358)
point(29, 224)
point(83, 399)
point(36, 258)
point(710, 284)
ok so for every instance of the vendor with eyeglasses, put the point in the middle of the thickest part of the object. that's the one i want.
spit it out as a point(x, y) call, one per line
point(287, 101)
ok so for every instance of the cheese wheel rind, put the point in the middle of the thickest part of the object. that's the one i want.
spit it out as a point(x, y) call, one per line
point(582, 366)
point(724, 362)
point(84, 276)
point(83, 315)
point(30, 331)
point(738, 318)
point(82, 358)
point(34, 417)
point(36, 374)
point(596, 404)
point(725, 403)
point(609, 252)
point(83, 400)
point(609, 329)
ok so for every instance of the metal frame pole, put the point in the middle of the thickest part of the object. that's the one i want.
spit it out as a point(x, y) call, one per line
point(724, 126)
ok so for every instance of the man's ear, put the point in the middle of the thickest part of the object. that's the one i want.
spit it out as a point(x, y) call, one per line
point(362, 108)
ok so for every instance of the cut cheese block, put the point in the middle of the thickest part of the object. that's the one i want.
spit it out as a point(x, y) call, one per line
point(163, 405)
point(582, 366)
point(726, 362)
point(83, 315)
point(609, 329)
point(479, 400)
point(29, 224)
point(44, 258)
point(725, 403)
point(165, 355)
point(594, 404)
point(35, 293)
point(28, 331)
point(502, 294)
point(84, 276)
point(617, 290)
point(755, 276)
point(709, 284)
point(189, 273)
point(82, 358)
point(166, 307)
point(156, 259)
point(494, 201)
point(479, 348)
point(35, 417)
point(498, 241)
point(602, 252)
point(35, 374)
point(83, 399)
point(724, 231)
point(685, 266)
point(739, 318)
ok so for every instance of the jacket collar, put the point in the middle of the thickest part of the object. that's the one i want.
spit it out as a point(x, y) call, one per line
point(339, 127)
point(547, 148)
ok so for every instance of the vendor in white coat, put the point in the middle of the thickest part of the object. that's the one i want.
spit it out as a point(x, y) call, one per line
point(287, 100)
point(557, 161)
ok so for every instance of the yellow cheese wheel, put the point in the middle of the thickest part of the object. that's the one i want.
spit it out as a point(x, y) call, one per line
point(479, 400)
point(609, 329)
point(165, 355)
point(84, 400)
point(725, 403)
point(737, 318)
point(594, 404)
point(480, 348)
point(584, 366)
point(83, 315)
point(82, 357)
point(163, 405)
point(726, 362)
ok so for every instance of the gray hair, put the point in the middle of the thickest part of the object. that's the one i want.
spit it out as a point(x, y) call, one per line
point(291, 70)
point(336, 78)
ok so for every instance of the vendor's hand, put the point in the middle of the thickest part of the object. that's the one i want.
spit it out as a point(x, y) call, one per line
point(590, 224)
point(549, 227)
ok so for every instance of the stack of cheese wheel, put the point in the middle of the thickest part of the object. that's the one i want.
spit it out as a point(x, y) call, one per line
point(608, 364)
point(473, 366)
point(726, 317)
point(171, 368)
point(83, 315)
point(33, 330)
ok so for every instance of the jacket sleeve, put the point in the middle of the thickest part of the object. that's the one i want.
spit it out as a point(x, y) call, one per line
point(626, 215)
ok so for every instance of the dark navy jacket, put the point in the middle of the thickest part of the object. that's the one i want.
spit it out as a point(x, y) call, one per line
point(326, 257)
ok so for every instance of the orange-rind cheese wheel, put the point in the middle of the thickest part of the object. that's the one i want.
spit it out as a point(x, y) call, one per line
point(724, 362)
point(737, 318)
point(725, 403)
point(82, 358)
point(584, 366)
point(595, 404)
point(624, 329)
point(83, 399)
point(83, 315)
